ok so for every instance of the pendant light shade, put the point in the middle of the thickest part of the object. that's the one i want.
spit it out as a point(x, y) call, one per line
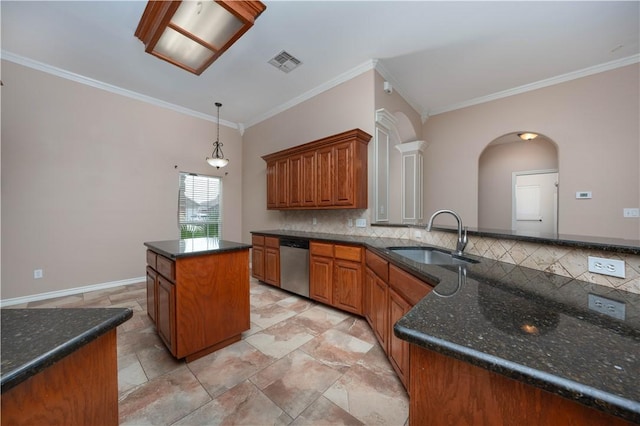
point(217, 159)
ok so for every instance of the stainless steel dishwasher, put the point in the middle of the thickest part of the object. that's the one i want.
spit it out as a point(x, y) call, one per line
point(294, 265)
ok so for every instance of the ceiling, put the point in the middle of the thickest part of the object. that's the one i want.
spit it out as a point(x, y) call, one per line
point(437, 55)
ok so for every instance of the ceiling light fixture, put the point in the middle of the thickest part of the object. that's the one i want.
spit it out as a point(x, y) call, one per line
point(217, 159)
point(192, 34)
point(528, 136)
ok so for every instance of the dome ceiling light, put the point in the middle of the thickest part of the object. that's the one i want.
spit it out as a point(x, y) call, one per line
point(527, 136)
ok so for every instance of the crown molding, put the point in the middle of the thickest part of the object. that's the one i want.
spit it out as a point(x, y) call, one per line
point(346, 76)
point(563, 78)
point(58, 72)
point(386, 74)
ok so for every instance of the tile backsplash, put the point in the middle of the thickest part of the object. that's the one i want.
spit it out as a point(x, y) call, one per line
point(565, 261)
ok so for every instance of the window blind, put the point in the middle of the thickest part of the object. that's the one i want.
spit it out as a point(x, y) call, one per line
point(199, 206)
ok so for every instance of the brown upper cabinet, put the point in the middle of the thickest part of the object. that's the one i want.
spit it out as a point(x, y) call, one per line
point(329, 173)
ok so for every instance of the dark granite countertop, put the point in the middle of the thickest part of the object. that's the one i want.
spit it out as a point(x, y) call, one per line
point(194, 247)
point(526, 324)
point(34, 339)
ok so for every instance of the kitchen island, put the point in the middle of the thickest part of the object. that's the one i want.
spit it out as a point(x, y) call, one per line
point(497, 343)
point(198, 293)
point(59, 366)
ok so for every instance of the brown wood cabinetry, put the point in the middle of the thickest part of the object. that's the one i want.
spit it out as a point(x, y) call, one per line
point(329, 173)
point(445, 390)
point(79, 389)
point(257, 257)
point(201, 301)
point(389, 294)
point(152, 293)
point(336, 276)
point(265, 259)
point(398, 349)
point(272, 261)
point(271, 185)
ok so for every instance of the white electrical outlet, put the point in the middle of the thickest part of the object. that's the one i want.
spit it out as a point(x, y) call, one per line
point(611, 267)
point(613, 308)
point(37, 274)
point(361, 223)
point(631, 212)
point(315, 221)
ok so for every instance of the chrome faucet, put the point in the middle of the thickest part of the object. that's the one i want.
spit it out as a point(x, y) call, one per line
point(462, 238)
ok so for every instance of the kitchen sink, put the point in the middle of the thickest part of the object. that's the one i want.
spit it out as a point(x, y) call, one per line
point(431, 256)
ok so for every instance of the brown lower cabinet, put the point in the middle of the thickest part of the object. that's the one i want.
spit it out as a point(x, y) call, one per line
point(389, 294)
point(335, 275)
point(199, 303)
point(447, 391)
point(265, 259)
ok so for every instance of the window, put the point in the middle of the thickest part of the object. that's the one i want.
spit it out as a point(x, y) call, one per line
point(199, 206)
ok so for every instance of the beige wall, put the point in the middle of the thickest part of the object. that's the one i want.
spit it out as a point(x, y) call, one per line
point(88, 176)
point(594, 121)
point(347, 106)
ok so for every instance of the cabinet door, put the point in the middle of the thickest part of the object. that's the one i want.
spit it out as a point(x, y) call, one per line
point(398, 348)
point(152, 291)
point(166, 313)
point(308, 179)
point(369, 282)
point(347, 286)
point(321, 279)
point(295, 181)
point(272, 266)
point(271, 185)
point(325, 176)
point(257, 262)
point(344, 189)
point(282, 183)
point(380, 311)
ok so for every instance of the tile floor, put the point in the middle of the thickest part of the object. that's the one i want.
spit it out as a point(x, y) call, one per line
point(301, 363)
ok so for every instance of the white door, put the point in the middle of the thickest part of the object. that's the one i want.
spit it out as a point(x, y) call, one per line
point(535, 202)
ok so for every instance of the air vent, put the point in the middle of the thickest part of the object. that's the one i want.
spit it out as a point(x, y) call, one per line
point(285, 62)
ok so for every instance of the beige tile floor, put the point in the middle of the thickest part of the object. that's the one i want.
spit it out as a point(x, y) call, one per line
point(301, 363)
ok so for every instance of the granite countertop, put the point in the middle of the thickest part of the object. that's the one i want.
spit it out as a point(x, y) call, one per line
point(526, 324)
point(194, 247)
point(34, 339)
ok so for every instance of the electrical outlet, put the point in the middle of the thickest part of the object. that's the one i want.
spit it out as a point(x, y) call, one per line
point(361, 223)
point(315, 221)
point(611, 267)
point(37, 274)
point(631, 212)
point(613, 308)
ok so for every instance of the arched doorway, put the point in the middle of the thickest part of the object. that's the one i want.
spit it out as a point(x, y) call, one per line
point(517, 184)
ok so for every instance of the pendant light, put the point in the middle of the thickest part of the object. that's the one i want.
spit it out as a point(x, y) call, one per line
point(217, 159)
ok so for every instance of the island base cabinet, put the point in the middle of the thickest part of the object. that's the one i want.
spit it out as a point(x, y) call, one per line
point(201, 302)
point(447, 391)
point(80, 389)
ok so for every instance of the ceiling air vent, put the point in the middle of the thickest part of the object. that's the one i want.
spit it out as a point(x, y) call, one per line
point(285, 62)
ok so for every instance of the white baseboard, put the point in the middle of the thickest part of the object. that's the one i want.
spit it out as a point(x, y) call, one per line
point(68, 292)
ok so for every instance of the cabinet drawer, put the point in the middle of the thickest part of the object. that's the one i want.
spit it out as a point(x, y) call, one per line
point(257, 240)
point(321, 249)
point(348, 253)
point(378, 265)
point(166, 267)
point(272, 242)
point(151, 259)
point(409, 287)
